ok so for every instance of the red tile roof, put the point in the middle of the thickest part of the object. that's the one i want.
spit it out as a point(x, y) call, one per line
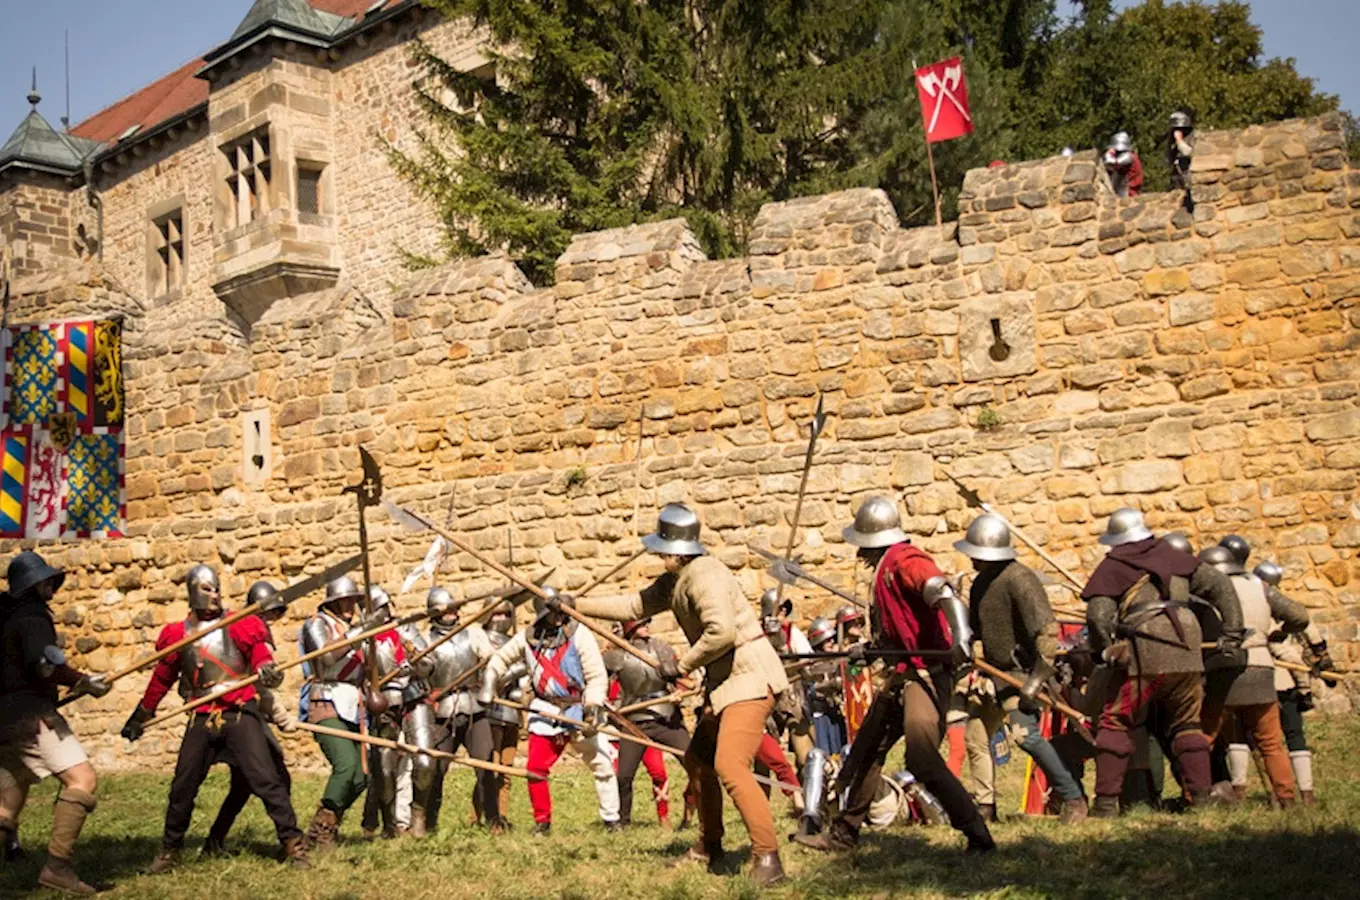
point(179, 91)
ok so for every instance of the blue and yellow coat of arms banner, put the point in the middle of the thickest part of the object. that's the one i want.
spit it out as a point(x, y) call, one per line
point(61, 431)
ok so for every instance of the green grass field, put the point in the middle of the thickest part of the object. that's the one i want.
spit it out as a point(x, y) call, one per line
point(1252, 852)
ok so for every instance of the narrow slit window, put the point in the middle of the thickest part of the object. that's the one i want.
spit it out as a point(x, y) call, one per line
point(169, 237)
point(309, 188)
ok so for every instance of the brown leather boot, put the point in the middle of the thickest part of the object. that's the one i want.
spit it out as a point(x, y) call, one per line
point(166, 859)
point(767, 870)
point(214, 847)
point(838, 838)
point(60, 875)
point(987, 811)
point(295, 854)
point(10, 851)
point(322, 832)
point(1240, 791)
point(1105, 807)
point(417, 829)
point(1074, 812)
point(1307, 798)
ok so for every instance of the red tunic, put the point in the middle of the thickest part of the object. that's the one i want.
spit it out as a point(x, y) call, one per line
point(906, 621)
point(249, 634)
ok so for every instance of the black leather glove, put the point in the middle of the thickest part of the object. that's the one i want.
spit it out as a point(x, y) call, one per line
point(135, 726)
point(962, 657)
point(1305, 701)
point(1230, 649)
point(1322, 660)
point(270, 676)
point(858, 652)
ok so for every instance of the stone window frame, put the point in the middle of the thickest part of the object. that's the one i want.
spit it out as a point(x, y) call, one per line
point(250, 173)
point(324, 185)
point(159, 286)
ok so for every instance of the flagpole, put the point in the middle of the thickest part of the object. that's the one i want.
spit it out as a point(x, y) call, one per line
point(934, 185)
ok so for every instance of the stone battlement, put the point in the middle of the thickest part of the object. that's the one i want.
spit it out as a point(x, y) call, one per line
point(1062, 351)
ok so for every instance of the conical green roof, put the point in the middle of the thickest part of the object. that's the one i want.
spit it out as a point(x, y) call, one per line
point(37, 145)
point(296, 15)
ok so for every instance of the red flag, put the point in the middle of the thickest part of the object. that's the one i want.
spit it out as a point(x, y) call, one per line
point(944, 100)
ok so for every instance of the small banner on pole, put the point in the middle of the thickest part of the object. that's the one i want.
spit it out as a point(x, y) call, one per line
point(944, 100)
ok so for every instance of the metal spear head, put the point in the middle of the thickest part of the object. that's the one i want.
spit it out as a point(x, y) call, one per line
point(818, 417)
point(969, 495)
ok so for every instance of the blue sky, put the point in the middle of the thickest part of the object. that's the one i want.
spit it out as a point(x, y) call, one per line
point(118, 46)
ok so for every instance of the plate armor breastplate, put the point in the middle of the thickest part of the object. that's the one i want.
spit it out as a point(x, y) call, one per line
point(452, 660)
point(211, 660)
point(639, 681)
point(344, 667)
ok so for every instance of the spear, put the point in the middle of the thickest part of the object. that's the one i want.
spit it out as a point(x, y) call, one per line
point(403, 747)
point(414, 521)
point(815, 429)
point(230, 687)
point(787, 571)
point(674, 697)
point(287, 595)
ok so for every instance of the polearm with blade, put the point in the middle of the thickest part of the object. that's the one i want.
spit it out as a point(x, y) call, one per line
point(368, 492)
point(223, 689)
point(287, 595)
point(815, 429)
point(786, 570)
point(412, 520)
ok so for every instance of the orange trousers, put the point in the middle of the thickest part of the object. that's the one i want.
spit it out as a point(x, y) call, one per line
point(1261, 723)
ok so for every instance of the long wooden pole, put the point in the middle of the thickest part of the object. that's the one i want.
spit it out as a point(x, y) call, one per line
point(225, 689)
point(413, 750)
point(526, 584)
point(1289, 666)
point(1072, 713)
point(434, 645)
point(934, 185)
point(674, 697)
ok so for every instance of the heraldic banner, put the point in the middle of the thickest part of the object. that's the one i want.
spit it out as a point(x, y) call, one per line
point(61, 428)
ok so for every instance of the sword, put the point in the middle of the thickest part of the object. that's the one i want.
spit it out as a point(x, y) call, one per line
point(815, 429)
point(287, 595)
point(788, 571)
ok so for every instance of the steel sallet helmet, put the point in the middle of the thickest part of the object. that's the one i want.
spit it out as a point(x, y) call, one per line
point(1238, 547)
point(541, 603)
point(342, 588)
point(877, 524)
point(379, 598)
point(266, 595)
point(1221, 558)
point(770, 604)
point(1181, 119)
point(677, 532)
point(439, 601)
point(988, 540)
point(1269, 572)
point(1178, 541)
point(848, 615)
point(820, 630)
point(503, 619)
point(1126, 526)
point(1121, 142)
point(205, 592)
point(27, 570)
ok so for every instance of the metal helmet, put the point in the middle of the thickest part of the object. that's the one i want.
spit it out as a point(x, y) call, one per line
point(1121, 142)
point(503, 619)
point(1221, 558)
point(1181, 119)
point(265, 594)
point(205, 591)
point(631, 626)
point(988, 540)
point(848, 615)
point(1238, 547)
point(677, 532)
point(379, 597)
point(1178, 541)
point(770, 604)
point(1269, 572)
point(541, 603)
point(439, 601)
point(1126, 526)
point(820, 630)
point(342, 588)
point(876, 524)
point(27, 570)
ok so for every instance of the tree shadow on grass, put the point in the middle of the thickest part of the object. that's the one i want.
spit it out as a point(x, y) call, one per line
point(1161, 860)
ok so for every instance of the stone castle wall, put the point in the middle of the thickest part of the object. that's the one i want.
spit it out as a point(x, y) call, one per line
point(1062, 352)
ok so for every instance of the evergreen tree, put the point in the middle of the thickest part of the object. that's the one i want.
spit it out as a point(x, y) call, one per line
point(609, 112)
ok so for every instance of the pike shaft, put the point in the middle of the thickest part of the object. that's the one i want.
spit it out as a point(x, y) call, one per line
point(407, 748)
